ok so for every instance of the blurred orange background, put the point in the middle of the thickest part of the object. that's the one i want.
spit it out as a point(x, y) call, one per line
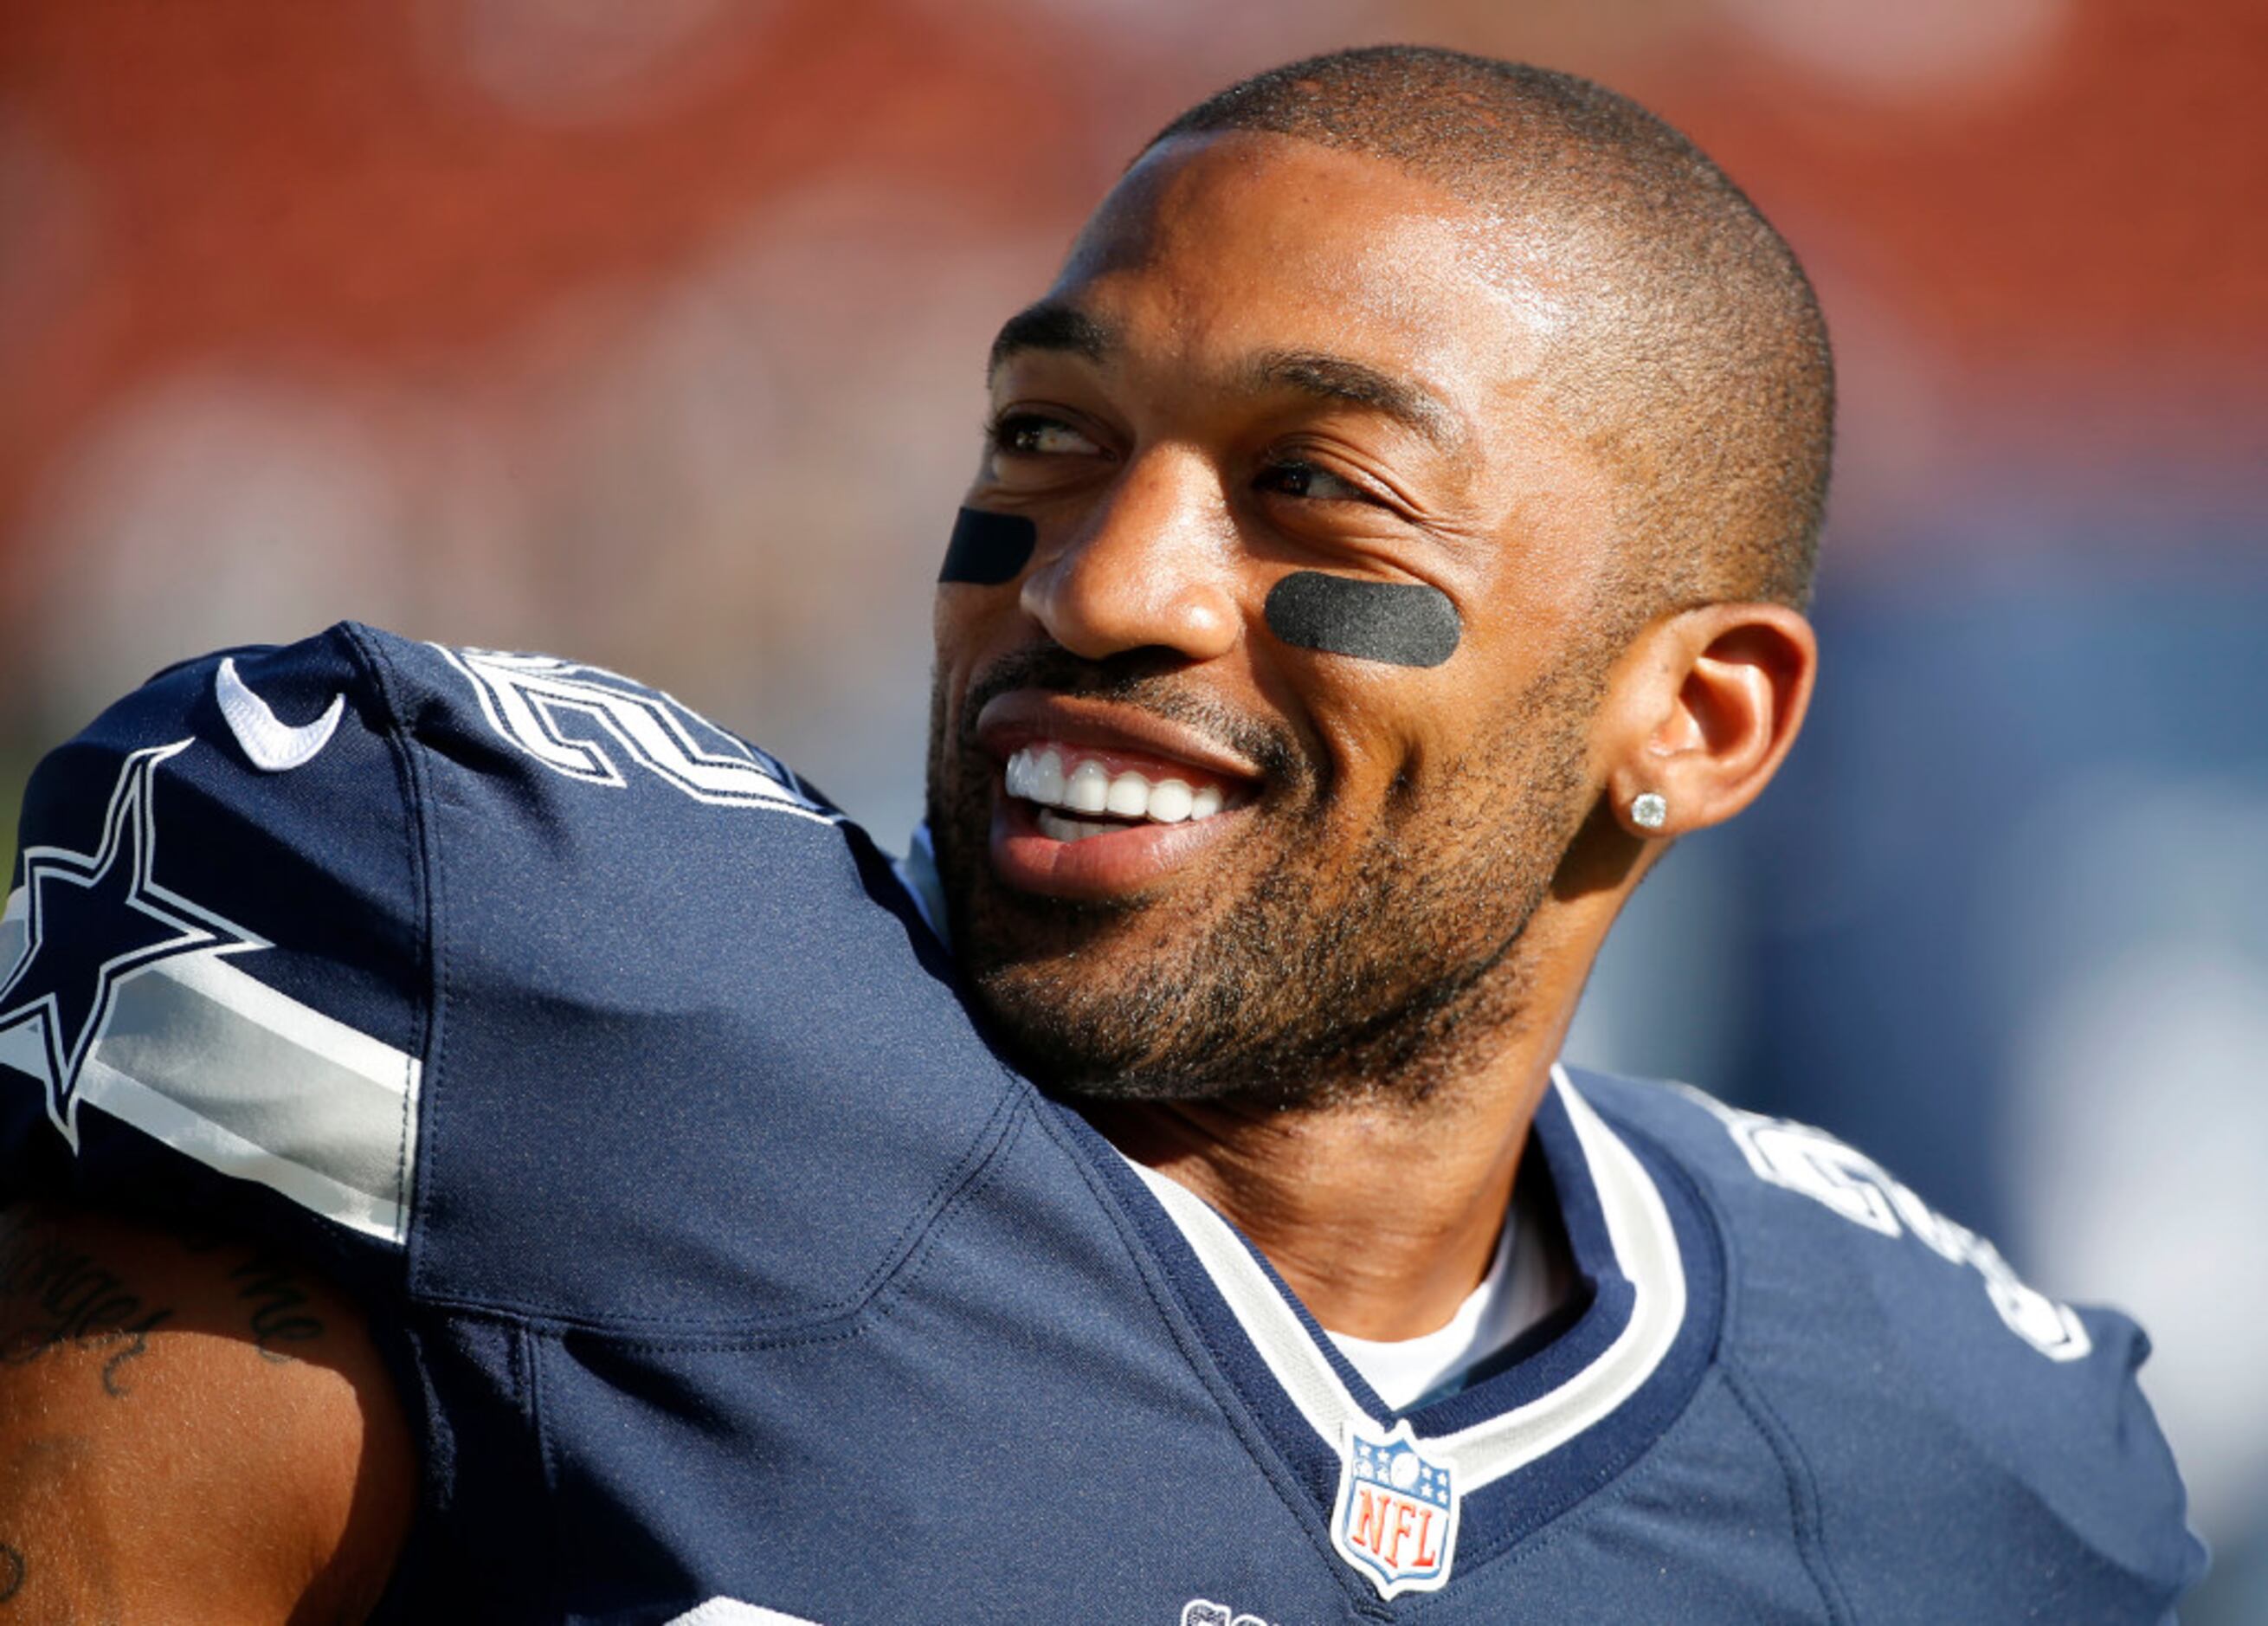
point(652, 332)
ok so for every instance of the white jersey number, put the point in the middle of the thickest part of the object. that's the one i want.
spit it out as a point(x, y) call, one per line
point(565, 715)
point(1800, 1158)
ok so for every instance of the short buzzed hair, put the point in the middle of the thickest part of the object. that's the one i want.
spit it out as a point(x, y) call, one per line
point(1694, 362)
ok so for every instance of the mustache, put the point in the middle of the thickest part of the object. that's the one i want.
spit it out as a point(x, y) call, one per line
point(1149, 680)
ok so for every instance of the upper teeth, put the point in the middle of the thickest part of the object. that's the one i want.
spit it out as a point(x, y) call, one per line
point(1038, 773)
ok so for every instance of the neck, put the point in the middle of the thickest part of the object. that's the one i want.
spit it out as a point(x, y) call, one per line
point(1381, 1213)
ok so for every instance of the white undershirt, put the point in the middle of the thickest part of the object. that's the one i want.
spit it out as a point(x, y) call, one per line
point(1524, 1284)
point(1517, 1293)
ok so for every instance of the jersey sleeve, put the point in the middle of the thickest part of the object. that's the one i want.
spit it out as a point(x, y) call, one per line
point(513, 979)
point(214, 977)
point(1959, 1444)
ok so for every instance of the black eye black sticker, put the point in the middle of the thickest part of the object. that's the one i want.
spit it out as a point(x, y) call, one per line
point(1401, 622)
point(987, 549)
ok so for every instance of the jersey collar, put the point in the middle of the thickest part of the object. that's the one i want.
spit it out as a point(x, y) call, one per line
point(1529, 1439)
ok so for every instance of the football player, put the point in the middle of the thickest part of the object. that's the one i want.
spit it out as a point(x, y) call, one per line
point(489, 1144)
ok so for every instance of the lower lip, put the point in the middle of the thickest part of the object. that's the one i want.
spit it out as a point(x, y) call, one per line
point(1100, 866)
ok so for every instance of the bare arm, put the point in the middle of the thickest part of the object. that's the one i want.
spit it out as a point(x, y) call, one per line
point(192, 1429)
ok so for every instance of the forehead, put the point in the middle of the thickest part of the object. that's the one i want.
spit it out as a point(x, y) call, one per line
point(1232, 243)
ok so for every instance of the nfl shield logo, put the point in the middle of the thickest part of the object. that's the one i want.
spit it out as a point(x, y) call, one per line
point(1396, 1518)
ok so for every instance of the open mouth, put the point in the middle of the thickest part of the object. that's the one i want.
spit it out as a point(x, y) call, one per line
point(1096, 800)
point(1077, 795)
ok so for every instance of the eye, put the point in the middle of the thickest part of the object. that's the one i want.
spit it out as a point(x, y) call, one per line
point(1296, 477)
point(1027, 434)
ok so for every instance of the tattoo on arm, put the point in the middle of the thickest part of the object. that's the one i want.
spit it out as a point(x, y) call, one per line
point(54, 1296)
point(281, 1311)
point(12, 1572)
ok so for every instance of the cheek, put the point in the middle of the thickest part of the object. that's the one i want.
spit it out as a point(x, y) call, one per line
point(1402, 623)
point(985, 555)
point(1375, 701)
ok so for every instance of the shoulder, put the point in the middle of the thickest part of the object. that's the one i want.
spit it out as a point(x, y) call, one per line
point(505, 975)
point(1795, 1202)
point(210, 950)
point(1958, 1428)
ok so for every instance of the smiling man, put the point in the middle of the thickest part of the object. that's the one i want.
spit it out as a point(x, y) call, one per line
point(1409, 493)
point(1393, 530)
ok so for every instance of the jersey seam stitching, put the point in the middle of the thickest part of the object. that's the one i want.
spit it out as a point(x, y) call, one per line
point(419, 853)
point(1802, 1487)
point(834, 1326)
point(526, 1370)
point(900, 1253)
point(1795, 1469)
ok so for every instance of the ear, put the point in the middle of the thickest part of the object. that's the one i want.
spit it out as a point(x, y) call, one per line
point(1704, 706)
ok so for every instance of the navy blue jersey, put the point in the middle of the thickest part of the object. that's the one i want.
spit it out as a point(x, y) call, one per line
point(727, 1273)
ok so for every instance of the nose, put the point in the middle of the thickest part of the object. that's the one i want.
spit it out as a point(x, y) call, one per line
point(1148, 568)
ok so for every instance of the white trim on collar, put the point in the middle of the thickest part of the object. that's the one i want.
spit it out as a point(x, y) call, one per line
point(1645, 1246)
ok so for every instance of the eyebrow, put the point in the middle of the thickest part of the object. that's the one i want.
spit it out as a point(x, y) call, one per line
point(1336, 378)
point(1051, 325)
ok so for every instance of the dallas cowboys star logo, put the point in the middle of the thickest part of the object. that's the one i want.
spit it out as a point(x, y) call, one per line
point(94, 920)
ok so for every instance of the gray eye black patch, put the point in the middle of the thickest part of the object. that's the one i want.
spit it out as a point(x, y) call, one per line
point(987, 549)
point(1401, 622)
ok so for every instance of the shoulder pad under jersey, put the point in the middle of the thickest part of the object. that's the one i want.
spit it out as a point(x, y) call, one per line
point(1955, 1431)
point(516, 980)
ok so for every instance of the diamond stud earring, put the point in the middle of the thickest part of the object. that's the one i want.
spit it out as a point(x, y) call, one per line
point(1648, 811)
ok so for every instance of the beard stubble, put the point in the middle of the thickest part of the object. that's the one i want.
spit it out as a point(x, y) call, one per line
point(1385, 964)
